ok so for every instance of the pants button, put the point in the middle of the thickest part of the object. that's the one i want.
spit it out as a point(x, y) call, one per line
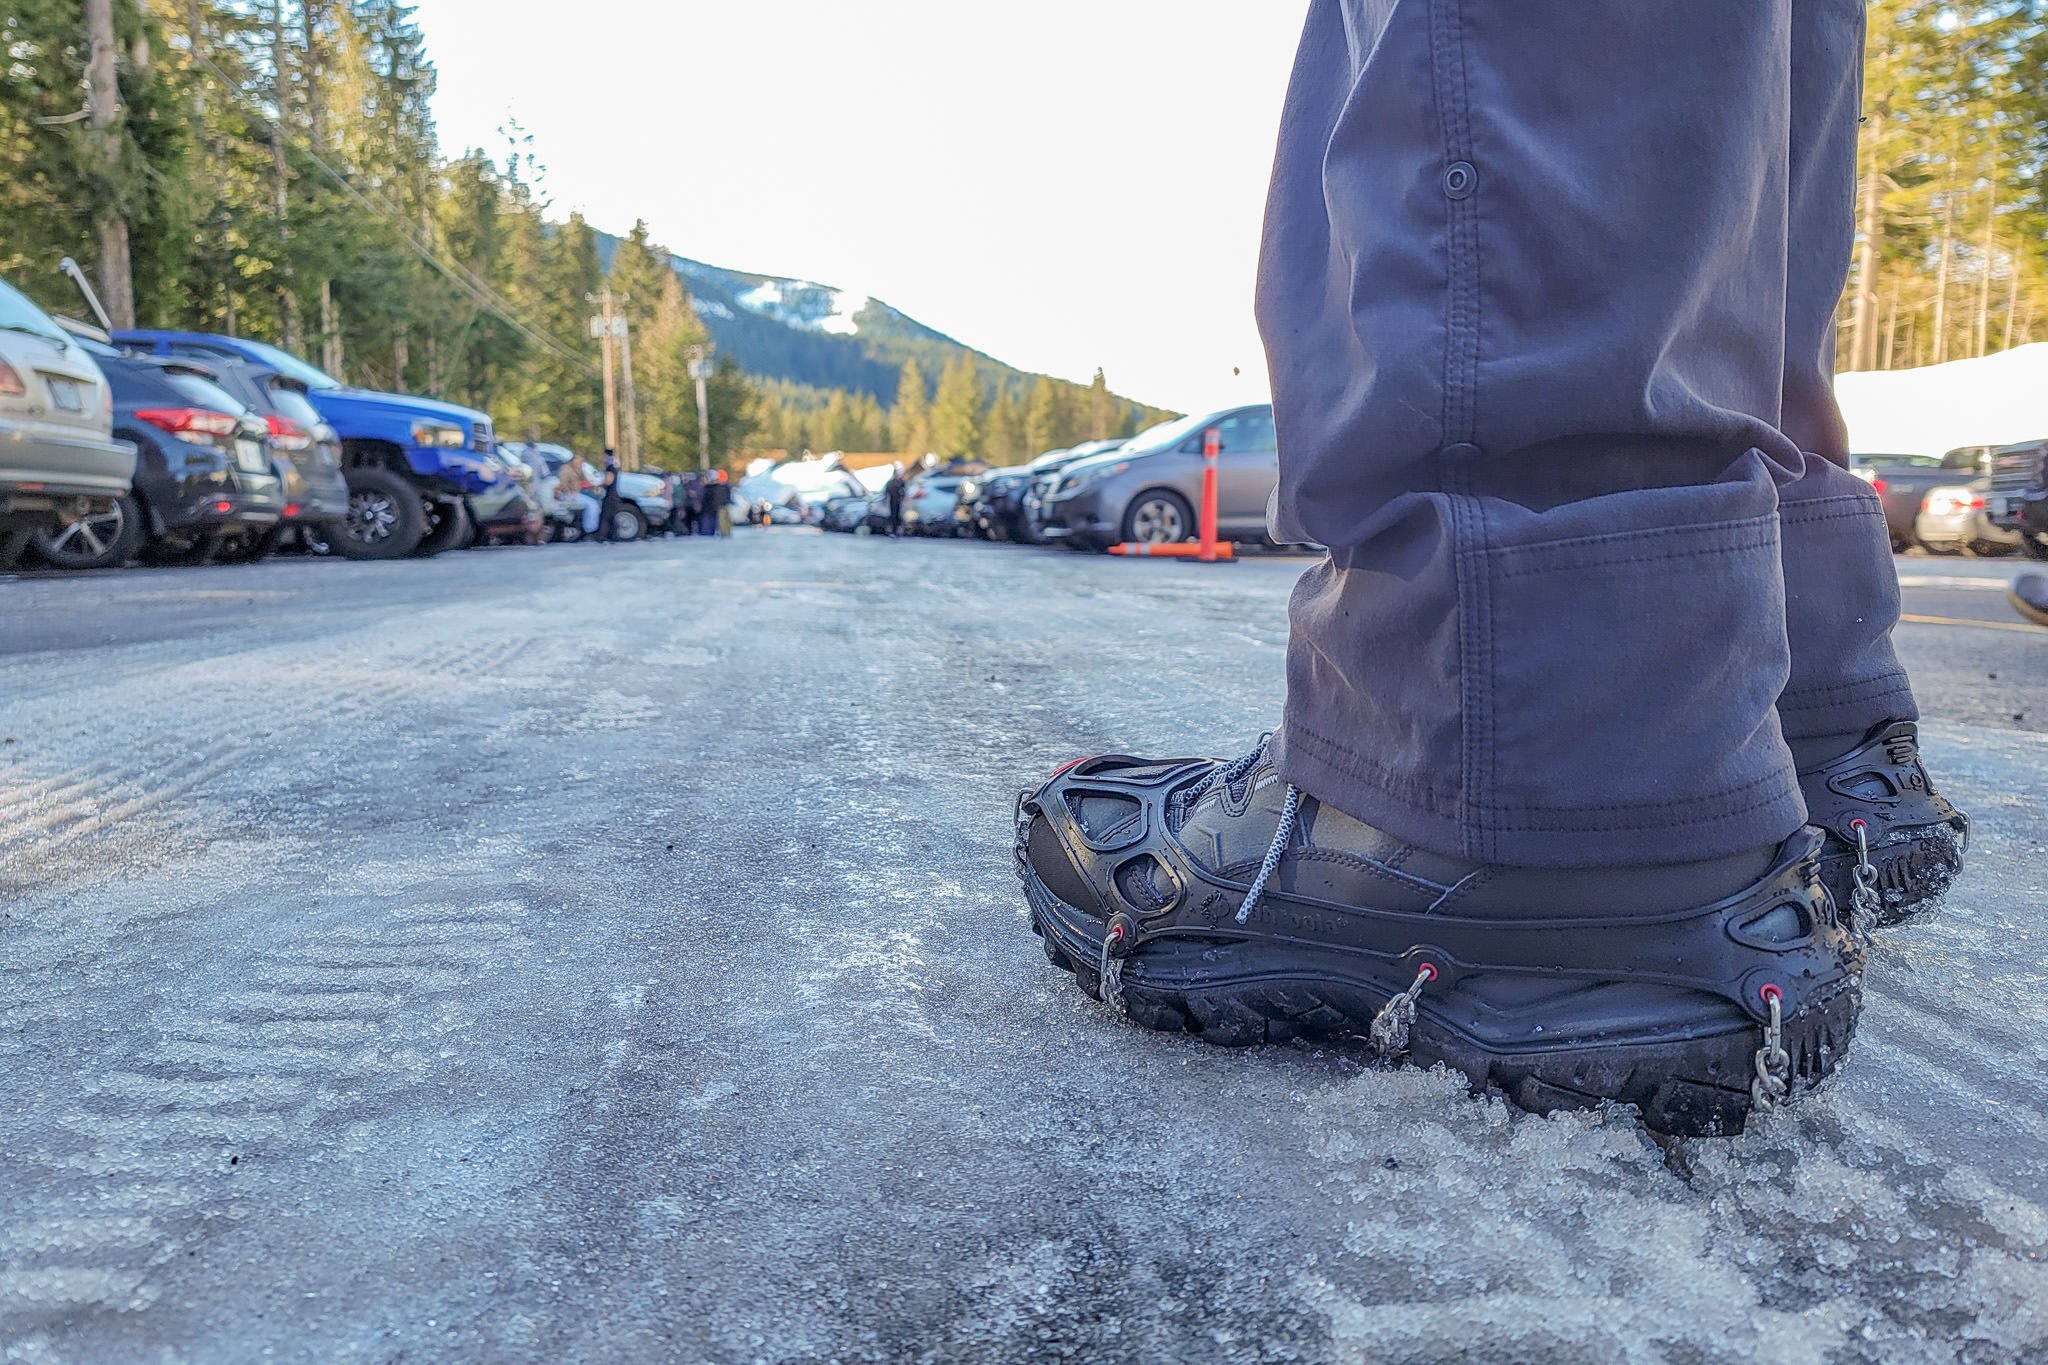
point(1460, 179)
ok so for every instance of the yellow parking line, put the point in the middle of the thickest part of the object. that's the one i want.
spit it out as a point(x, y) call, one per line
point(1960, 621)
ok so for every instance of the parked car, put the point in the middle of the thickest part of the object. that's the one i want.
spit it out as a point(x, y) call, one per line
point(205, 485)
point(939, 502)
point(1901, 483)
point(2017, 497)
point(1148, 489)
point(1045, 475)
point(560, 520)
point(847, 513)
point(307, 450)
point(507, 513)
point(645, 497)
point(60, 462)
point(998, 505)
point(1955, 519)
point(411, 463)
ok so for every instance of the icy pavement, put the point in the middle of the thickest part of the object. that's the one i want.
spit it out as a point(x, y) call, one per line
point(613, 954)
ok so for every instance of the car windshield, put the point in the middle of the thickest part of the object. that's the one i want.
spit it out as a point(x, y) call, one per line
point(1165, 436)
point(1897, 461)
point(291, 401)
point(17, 314)
point(284, 362)
point(202, 392)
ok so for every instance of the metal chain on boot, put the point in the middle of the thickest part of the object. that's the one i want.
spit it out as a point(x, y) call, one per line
point(1863, 900)
point(1389, 1032)
point(1111, 970)
point(1773, 1065)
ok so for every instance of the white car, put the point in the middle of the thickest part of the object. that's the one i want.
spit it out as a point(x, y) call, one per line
point(59, 460)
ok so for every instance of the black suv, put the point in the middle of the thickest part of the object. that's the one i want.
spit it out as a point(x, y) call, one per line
point(307, 450)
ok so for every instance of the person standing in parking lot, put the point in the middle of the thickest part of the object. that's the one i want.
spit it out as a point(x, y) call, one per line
point(892, 494)
point(608, 509)
point(717, 505)
point(1596, 763)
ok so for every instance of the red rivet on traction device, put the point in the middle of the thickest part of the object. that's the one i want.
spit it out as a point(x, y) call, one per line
point(1771, 993)
point(1858, 823)
point(1427, 971)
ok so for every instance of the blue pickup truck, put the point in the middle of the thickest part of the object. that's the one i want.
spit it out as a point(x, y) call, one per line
point(414, 465)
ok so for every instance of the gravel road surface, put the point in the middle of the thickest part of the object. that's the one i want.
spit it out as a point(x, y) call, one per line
point(612, 954)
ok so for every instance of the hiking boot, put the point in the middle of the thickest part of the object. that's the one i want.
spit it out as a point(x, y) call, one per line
point(2028, 595)
point(1216, 899)
point(1881, 813)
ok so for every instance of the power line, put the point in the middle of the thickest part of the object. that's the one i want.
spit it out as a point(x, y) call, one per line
point(460, 276)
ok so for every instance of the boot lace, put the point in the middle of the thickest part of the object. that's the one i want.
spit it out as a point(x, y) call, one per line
point(1233, 775)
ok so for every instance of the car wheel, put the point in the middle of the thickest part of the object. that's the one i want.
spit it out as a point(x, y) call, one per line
point(2032, 546)
point(385, 519)
point(98, 540)
point(628, 523)
point(448, 526)
point(1159, 517)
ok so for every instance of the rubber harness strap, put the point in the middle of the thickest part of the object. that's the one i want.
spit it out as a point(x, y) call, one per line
point(1783, 931)
point(1882, 783)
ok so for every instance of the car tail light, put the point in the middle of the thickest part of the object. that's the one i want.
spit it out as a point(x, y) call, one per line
point(188, 421)
point(1976, 502)
point(286, 434)
point(10, 382)
point(1877, 486)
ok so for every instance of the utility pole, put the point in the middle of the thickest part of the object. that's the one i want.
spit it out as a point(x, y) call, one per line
point(625, 330)
point(700, 370)
point(103, 98)
point(280, 171)
point(601, 329)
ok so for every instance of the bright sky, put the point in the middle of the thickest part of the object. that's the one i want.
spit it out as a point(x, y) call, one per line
point(1060, 183)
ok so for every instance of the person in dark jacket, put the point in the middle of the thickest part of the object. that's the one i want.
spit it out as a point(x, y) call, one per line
point(717, 497)
point(892, 493)
point(608, 512)
point(689, 505)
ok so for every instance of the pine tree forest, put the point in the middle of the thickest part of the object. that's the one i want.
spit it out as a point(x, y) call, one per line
point(1952, 196)
point(273, 170)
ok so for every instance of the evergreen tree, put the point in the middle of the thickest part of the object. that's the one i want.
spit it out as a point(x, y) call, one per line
point(1005, 430)
point(1101, 408)
point(958, 411)
point(910, 421)
point(1045, 418)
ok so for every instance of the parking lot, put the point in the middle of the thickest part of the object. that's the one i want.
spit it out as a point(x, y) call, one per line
point(614, 953)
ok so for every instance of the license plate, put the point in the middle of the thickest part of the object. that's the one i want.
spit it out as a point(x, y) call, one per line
point(249, 455)
point(66, 394)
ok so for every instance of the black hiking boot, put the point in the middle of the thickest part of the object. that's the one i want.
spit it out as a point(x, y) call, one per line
point(1216, 899)
point(1880, 812)
point(2028, 595)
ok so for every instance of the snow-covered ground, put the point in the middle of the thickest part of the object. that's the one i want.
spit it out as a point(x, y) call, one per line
point(395, 966)
point(1994, 400)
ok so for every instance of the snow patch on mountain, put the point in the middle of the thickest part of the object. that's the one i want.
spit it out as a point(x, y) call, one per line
point(802, 303)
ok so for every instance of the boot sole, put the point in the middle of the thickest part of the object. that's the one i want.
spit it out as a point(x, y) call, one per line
point(1914, 870)
point(1682, 1085)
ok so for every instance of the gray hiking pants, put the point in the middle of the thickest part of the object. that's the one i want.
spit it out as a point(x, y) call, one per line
point(1548, 295)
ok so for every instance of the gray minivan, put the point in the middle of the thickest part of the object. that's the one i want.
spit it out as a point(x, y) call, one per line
point(1148, 489)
